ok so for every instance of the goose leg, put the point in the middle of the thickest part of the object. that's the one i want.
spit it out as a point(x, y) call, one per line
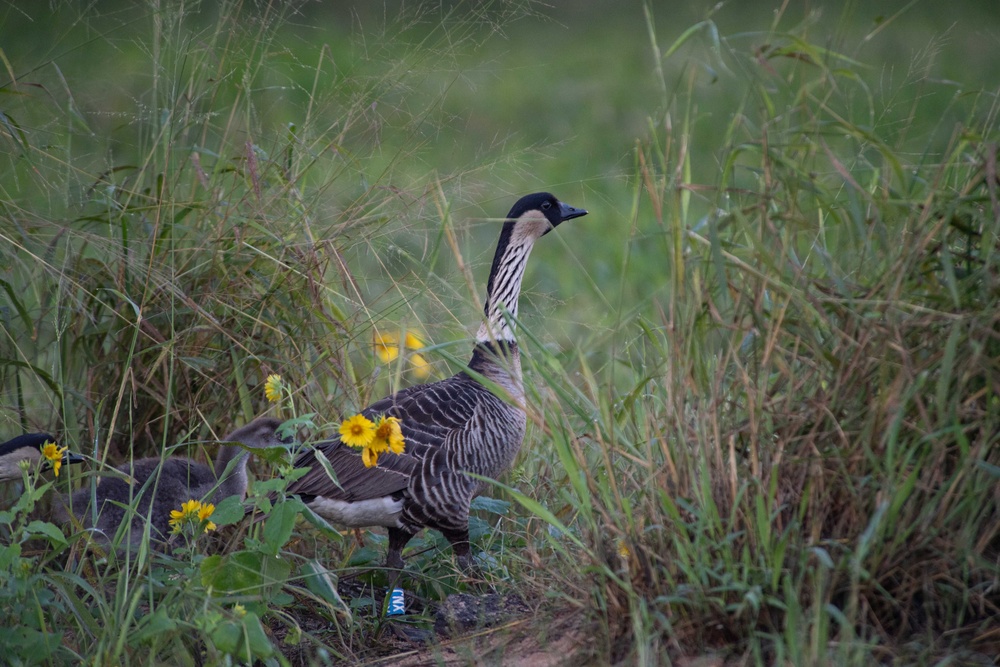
point(459, 540)
point(394, 558)
point(394, 564)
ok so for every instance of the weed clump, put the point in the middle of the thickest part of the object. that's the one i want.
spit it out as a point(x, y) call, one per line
point(800, 464)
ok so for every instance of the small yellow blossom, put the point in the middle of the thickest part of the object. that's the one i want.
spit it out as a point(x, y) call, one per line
point(421, 367)
point(386, 347)
point(387, 350)
point(239, 610)
point(413, 343)
point(192, 511)
point(388, 436)
point(272, 388)
point(623, 550)
point(54, 454)
point(358, 431)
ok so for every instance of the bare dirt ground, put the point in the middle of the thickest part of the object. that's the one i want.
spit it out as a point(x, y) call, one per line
point(525, 642)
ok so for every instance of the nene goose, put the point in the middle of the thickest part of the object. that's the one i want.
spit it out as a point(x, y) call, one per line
point(161, 485)
point(27, 447)
point(451, 427)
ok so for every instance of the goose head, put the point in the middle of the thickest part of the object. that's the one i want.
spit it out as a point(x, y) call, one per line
point(259, 434)
point(231, 461)
point(27, 447)
point(531, 217)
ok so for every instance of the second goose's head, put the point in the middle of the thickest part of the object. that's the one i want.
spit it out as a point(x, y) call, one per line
point(28, 447)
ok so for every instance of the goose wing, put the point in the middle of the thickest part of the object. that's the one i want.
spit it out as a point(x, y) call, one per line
point(354, 481)
point(427, 414)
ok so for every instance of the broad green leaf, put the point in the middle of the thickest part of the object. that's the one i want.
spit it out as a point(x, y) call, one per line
point(228, 511)
point(323, 583)
point(152, 626)
point(226, 637)
point(279, 524)
point(54, 535)
point(236, 573)
point(8, 555)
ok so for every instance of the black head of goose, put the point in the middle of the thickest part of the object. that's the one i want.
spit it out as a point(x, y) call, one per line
point(30, 447)
point(451, 427)
point(154, 486)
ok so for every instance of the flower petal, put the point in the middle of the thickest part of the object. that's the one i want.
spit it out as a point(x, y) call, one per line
point(205, 511)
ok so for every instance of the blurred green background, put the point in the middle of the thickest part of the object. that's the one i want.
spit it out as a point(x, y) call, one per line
point(493, 99)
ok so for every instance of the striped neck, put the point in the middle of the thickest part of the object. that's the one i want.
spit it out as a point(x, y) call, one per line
point(485, 355)
point(500, 363)
point(504, 286)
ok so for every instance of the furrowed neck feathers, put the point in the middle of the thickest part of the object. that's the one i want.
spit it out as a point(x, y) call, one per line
point(504, 286)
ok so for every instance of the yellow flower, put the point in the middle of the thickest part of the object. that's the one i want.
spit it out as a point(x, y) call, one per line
point(190, 512)
point(388, 436)
point(421, 367)
point(384, 436)
point(358, 431)
point(413, 343)
point(239, 610)
point(387, 349)
point(54, 454)
point(272, 388)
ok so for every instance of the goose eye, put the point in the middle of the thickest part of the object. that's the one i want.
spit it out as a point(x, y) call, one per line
point(546, 205)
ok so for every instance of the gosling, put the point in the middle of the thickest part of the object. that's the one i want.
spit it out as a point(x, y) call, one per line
point(161, 485)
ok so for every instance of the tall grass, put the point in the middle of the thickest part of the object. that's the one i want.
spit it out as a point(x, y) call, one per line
point(796, 462)
point(159, 262)
point(763, 407)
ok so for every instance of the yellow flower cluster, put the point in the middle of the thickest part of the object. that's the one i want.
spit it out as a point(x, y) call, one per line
point(53, 453)
point(387, 349)
point(193, 512)
point(373, 438)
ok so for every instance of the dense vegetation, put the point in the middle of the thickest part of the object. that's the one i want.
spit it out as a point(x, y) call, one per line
point(763, 372)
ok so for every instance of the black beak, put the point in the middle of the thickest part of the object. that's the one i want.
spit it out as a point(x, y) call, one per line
point(567, 212)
